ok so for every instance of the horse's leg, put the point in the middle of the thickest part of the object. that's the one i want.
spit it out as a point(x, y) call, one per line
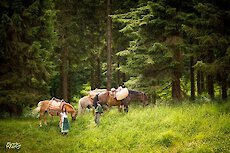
point(83, 110)
point(60, 121)
point(106, 107)
point(52, 117)
point(45, 115)
point(126, 108)
point(119, 108)
point(40, 118)
point(125, 103)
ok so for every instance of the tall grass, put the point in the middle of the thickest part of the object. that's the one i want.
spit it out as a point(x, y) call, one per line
point(185, 128)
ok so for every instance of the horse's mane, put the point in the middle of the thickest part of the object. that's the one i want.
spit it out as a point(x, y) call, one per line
point(70, 106)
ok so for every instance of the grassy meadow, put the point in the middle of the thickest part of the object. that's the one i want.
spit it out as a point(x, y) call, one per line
point(186, 128)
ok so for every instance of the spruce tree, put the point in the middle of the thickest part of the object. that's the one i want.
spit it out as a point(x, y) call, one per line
point(26, 48)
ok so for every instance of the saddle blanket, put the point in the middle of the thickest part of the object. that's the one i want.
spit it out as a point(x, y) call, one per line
point(93, 93)
point(54, 105)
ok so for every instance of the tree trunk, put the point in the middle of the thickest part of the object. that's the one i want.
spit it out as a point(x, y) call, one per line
point(118, 72)
point(210, 80)
point(109, 49)
point(98, 73)
point(210, 86)
point(198, 82)
point(172, 42)
point(176, 89)
point(224, 86)
point(65, 70)
point(92, 80)
point(202, 82)
point(123, 78)
point(224, 91)
point(192, 79)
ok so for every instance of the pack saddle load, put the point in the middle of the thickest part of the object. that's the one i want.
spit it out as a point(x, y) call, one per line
point(122, 94)
point(56, 105)
point(93, 93)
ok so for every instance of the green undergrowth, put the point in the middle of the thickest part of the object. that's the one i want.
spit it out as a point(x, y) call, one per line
point(184, 128)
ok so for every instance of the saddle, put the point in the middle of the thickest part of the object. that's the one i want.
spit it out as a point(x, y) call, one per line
point(93, 93)
point(56, 104)
point(119, 93)
point(113, 92)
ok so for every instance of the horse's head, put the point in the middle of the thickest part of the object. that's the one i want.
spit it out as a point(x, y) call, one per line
point(144, 99)
point(69, 108)
point(74, 115)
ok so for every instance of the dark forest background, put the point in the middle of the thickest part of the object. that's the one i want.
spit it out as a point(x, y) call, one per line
point(173, 50)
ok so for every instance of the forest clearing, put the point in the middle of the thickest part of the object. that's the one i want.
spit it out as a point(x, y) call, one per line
point(173, 56)
point(185, 128)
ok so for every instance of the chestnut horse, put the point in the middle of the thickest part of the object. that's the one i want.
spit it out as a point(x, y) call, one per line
point(105, 99)
point(44, 106)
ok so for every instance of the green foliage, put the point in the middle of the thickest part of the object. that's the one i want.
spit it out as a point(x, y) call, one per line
point(157, 31)
point(154, 30)
point(85, 89)
point(26, 50)
point(81, 28)
point(146, 39)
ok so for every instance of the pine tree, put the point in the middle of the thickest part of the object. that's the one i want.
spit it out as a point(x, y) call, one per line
point(27, 41)
point(210, 34)
point(156, 45)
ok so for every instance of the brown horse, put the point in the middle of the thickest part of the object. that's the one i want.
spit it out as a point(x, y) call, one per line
point(106, 99)
point(46, 106)
point(135, 96)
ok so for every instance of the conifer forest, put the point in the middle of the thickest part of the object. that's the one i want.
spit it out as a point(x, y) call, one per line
point(172, 50)
point(173, 55)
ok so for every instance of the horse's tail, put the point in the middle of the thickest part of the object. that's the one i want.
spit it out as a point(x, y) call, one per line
point(37, 109)
point(79, 107)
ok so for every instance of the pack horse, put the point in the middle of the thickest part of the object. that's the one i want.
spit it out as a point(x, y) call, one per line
point(120, 97)
point(54, 107)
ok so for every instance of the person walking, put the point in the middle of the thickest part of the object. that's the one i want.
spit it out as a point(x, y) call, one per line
point(98, 112)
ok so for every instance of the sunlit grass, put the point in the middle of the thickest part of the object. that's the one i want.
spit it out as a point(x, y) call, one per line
point(185, 128)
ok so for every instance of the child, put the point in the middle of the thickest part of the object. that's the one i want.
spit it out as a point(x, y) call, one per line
point(64, 123)
point(98, 112)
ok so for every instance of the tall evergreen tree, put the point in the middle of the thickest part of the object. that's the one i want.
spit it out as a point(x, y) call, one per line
point(109, 49)
point(157, 45)
point(210, 33)
point(27, 41)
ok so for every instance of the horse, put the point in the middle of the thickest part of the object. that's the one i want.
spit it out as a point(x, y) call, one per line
point(84, 102)
point(87, 101)
point(44, 106)
point(135, 95)
point(105, 99)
